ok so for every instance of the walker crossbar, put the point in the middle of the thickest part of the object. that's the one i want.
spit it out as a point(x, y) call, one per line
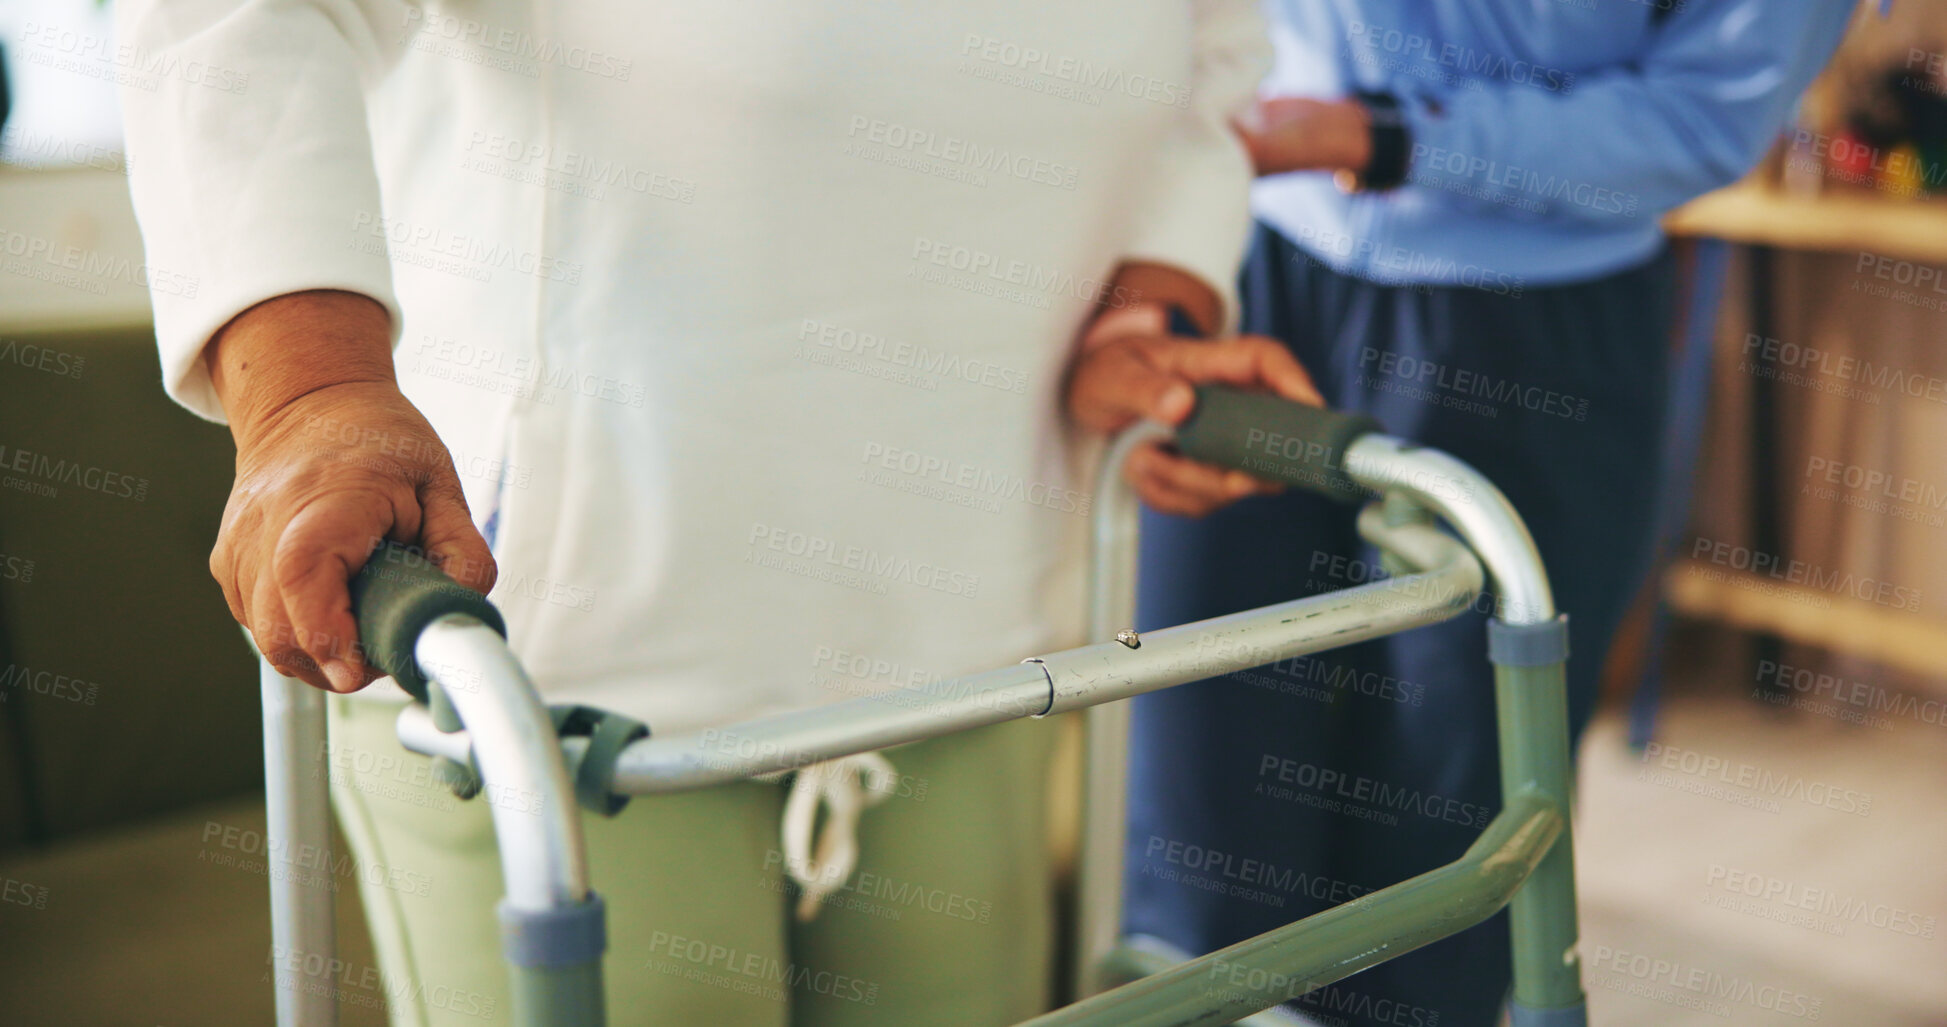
point(484, 713)
point(1447, 579)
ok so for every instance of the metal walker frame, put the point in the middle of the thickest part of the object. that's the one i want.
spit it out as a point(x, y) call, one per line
point(490, 727)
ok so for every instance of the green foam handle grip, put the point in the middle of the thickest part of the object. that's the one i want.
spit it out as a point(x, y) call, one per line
point(395, 595)
point(1275, 439)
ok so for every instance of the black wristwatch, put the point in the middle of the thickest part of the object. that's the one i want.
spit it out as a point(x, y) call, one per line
point(1387, 167)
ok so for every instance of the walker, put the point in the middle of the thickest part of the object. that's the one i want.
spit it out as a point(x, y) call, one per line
point(481, 719)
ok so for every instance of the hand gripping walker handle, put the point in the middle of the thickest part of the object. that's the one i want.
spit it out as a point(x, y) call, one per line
point(395, 596)
point(1275, 439)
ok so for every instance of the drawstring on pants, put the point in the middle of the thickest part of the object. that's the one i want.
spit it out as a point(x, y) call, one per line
point(848, 786)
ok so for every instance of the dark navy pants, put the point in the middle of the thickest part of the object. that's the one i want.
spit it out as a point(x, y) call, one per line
point(1268, 795)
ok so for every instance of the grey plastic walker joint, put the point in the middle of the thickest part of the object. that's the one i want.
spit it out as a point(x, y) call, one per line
point(462, 779)
point(563, 936)
point(1566, 1016)
point(445, 717)
point(608, 734)
point(1527, 645)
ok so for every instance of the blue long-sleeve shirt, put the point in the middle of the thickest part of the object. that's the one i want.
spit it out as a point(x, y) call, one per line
point(1546, 136)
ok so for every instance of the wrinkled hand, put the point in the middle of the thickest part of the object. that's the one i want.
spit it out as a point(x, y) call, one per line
point(322, 477)
point(318, 485)
point(1130, 368)
point(1296, 133)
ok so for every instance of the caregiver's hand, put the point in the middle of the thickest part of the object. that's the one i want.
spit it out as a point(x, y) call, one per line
point(1296, 133)
point(331, 458)
point(1129, 367)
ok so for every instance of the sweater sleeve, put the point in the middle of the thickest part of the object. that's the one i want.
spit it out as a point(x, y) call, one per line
point(1631, 142)
point(251, 161)
point(1195, 214)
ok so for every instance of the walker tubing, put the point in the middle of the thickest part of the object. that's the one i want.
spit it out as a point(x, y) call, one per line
point(394, 597)
point(1287, 962)
point(1274, 439)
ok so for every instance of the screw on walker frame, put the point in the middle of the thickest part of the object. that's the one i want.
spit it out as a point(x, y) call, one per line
point(478, 712)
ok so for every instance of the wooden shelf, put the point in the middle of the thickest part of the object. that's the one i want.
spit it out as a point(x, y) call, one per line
point(1839, 221)
point(1843, 221)
point(1838, 623)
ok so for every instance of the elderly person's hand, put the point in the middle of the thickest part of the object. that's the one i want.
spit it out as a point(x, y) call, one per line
point(331, 459)
point(1128, 367)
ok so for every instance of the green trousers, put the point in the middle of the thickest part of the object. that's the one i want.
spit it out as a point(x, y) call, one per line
point(947, 921)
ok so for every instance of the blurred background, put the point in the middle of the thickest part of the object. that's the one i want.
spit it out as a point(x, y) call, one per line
point(1762, 797)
